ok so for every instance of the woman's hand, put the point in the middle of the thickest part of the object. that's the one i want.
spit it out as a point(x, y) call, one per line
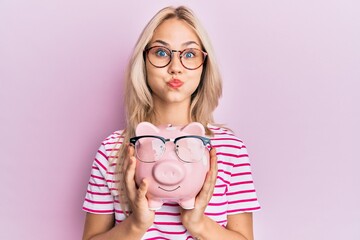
point(194, 218)
point(141, 216)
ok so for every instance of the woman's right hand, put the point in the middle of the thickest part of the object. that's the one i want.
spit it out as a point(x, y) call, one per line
point(141, 215)
point(101, 226)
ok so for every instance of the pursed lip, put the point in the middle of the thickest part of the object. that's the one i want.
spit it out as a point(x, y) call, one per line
point(175, 83)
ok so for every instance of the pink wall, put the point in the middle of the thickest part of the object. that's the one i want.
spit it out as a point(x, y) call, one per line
point(291, 77)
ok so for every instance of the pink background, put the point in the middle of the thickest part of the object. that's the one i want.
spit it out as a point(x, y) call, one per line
point(291, 92)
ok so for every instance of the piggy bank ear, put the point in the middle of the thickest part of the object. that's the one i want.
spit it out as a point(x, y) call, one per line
point(194, 128)
point(146, 128)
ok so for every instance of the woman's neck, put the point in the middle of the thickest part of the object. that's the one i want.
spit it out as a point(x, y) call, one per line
point(174, 113)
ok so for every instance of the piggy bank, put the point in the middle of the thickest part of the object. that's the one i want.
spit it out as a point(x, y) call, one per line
point(174, 160)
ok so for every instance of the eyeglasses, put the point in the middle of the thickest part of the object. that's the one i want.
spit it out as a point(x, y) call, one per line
point(190, 58)
point(189, 149)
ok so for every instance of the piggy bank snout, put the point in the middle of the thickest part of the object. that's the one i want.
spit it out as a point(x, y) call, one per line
point(168, 173)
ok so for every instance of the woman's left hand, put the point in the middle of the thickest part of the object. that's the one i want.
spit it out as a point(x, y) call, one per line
point(193, 218)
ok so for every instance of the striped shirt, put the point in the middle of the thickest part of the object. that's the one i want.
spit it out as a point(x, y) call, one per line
point(234, 189)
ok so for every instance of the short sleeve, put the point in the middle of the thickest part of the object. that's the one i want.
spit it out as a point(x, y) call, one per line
point(241, 194)
point(98, 197)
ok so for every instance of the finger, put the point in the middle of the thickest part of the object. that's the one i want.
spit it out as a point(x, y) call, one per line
point(204, 196)
point(125, 165)
point(129, 178)
point(142, 189)
point(212, 152)
point(207, 188)
point(210, 179)
point(213, 165)
point(209, 183)
point(141, 199)
point(130, 153)
point(131, 150)
point(213, 158)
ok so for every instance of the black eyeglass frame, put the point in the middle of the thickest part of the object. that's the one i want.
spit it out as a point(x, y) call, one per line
point(206, 141)
point(147, 50)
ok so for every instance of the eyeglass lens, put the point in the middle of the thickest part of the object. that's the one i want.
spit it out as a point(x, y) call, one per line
point(151, 149)
point(190, 58)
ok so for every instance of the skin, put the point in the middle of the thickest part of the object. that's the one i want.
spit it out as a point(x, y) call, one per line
point(172, 105)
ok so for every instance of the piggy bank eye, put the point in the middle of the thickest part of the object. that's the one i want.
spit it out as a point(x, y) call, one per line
point(149, 149)
point(190, 149)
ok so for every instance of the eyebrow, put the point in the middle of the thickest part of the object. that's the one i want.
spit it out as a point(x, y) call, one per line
point(167, 44)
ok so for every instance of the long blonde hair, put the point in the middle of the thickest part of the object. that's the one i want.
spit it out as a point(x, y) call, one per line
point(138, 99)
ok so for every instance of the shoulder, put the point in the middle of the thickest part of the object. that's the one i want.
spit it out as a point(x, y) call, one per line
point(113, 141)
point(225, 136)
point(230, 149)
point(105, 159)
point(116, 137)
point(108, 149)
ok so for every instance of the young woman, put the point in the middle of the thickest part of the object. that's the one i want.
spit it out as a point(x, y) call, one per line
point(173, 79)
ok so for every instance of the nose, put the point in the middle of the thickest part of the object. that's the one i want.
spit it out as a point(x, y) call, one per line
point(175, 65)
point(169, 173)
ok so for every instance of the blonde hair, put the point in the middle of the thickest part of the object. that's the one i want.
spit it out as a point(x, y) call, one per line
point(138, 99)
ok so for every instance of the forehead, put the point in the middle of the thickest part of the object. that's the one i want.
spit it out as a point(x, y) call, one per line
point(175, 32)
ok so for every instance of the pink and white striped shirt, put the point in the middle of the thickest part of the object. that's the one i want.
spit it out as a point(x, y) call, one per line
point(234, 190)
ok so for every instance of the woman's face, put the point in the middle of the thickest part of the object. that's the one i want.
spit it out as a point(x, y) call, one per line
point(173, 83)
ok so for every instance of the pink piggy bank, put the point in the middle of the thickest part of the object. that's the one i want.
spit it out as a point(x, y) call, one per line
point(174, 161)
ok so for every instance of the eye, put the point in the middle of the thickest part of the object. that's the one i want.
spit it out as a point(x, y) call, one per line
point(189, 54)
point(160, 52)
